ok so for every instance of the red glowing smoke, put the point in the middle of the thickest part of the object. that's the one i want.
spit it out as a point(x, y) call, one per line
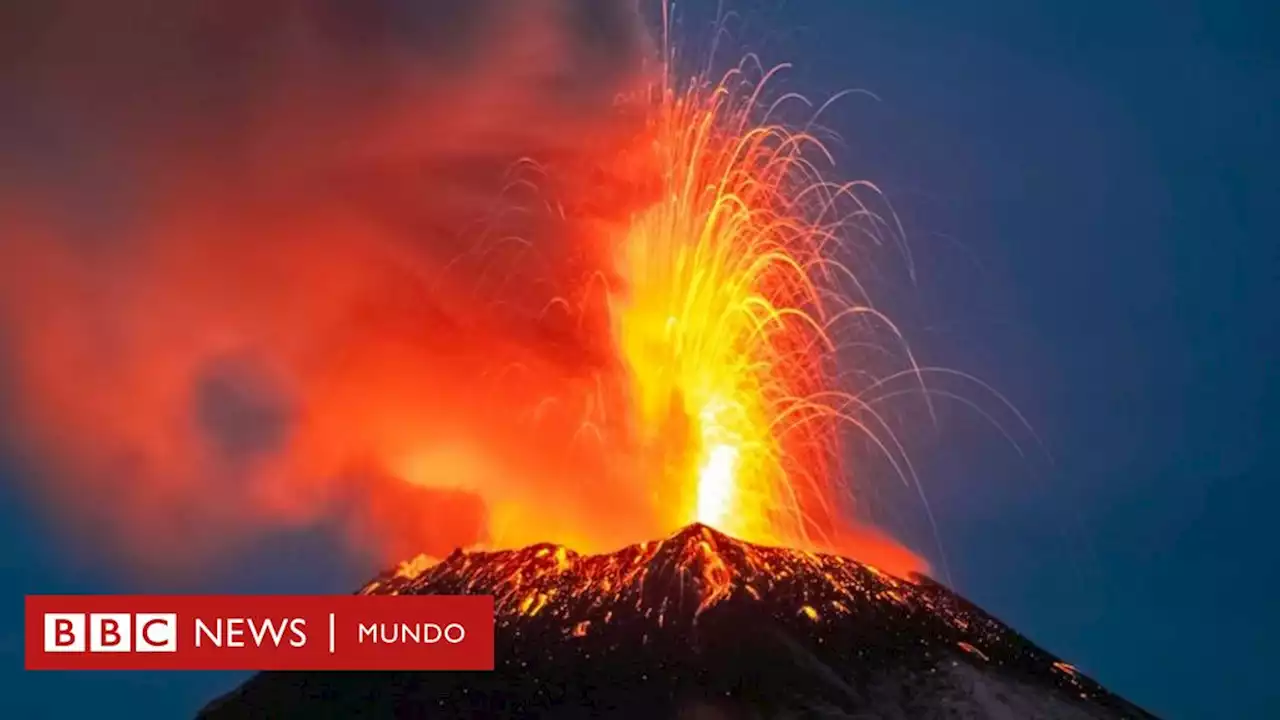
point(274, 263)
point(255, 272)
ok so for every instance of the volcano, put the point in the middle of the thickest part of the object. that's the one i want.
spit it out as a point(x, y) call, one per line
point(700, 625)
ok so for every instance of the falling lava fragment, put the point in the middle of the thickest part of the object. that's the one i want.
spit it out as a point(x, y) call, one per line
point(701, 625)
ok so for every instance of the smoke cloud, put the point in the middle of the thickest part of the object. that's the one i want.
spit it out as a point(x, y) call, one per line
point(270, 263)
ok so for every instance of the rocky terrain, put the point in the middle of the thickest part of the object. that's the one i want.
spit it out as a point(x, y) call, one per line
point(700, 625)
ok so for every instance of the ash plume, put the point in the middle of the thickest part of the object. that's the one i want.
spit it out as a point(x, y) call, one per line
point(274, 263)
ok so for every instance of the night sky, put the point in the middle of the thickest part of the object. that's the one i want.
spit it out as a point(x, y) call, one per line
point(1084, 189)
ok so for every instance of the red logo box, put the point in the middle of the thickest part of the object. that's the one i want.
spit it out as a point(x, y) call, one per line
point(259, 632)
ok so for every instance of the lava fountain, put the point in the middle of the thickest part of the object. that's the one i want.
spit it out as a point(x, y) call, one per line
point(734, 311)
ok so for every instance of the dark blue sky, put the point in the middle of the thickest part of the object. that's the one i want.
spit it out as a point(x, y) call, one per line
point(1086, 191)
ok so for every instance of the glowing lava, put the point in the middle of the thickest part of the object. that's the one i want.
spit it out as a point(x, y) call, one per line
point(716, 484)
point(731, 291)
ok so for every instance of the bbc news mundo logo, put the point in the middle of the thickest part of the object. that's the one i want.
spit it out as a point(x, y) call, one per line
point(258, 632)
point(110, 632)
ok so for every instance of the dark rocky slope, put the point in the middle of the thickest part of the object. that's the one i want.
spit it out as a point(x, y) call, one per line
point(701, 625)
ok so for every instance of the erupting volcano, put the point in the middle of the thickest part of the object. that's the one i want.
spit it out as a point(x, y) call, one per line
point(725, 312)
point(489, 287)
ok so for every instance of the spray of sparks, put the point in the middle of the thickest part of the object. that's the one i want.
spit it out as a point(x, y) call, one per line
point(735, 310)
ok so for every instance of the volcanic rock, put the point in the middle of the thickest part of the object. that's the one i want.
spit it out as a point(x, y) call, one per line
point(700, 625)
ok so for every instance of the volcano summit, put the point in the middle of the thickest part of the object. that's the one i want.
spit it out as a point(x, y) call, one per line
point(700, 625)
